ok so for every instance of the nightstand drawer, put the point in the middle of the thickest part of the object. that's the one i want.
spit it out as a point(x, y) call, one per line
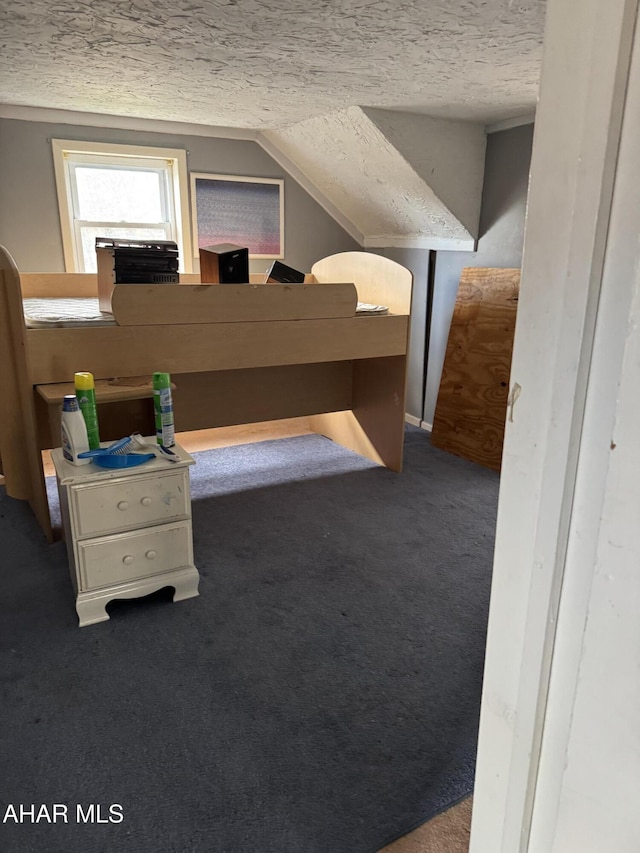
point(116, 559)
point(129, 502)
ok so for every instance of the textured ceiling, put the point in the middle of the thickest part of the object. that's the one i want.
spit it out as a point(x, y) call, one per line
point(271, 63)
point(386, 188)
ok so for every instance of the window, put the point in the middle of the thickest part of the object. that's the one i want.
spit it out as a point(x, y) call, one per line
point(119, 191)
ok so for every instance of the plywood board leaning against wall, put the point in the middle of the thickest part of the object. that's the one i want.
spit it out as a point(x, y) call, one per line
point(472, 399)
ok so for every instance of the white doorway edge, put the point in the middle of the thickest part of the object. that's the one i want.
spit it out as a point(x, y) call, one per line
point(584, 80)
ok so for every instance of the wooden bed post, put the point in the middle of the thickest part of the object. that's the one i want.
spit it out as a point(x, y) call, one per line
point(375, 425)
point(19, 450)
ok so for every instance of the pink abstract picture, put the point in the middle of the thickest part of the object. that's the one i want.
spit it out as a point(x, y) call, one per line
point(247, 212)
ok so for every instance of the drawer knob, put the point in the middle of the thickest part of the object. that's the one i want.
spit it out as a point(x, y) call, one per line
point(127, 560)
point(151, 555)
point(145, 501)
point(123, 505)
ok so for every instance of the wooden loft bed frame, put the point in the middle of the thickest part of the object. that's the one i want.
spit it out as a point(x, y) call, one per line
point(237, 354)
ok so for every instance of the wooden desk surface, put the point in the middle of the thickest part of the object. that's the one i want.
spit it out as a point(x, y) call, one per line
point(107, 390)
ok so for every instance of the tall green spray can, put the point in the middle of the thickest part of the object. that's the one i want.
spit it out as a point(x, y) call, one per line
point(86, 394)
point(163, 409)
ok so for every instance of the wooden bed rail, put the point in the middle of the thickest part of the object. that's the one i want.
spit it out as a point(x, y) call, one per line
point(24, 477)
point(378, 280)
point(40, 285)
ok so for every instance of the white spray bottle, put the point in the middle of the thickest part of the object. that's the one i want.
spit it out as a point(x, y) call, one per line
point(74, 431)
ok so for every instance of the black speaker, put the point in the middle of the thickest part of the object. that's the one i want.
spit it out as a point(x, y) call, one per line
point(224, 264)
point(282, 274)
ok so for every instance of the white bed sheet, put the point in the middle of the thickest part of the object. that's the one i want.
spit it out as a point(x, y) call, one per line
point(76, 312)
point(64, 313)
point(368, 308)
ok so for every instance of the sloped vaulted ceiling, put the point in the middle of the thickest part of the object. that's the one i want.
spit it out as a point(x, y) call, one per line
point(299, 71)
point(398, 178)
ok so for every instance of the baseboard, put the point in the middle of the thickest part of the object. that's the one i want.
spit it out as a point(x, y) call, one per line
point(412, 419)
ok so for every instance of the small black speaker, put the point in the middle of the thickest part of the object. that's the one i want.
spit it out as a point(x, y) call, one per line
point(224, 264)
point(282, 274)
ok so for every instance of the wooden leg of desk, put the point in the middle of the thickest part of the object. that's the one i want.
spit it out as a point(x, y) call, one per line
point(375, 426)
point(22, 462)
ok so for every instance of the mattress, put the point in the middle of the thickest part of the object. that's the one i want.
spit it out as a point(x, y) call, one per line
point(64, 313)
point(76, 312)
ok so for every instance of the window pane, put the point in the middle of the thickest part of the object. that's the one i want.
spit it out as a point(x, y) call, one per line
point(119, 195)
point(89, 240)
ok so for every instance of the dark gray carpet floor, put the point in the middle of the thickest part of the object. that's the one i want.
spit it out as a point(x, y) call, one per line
point(320, 696)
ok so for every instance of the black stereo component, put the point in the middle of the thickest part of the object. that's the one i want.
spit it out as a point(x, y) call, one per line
point(140, 261)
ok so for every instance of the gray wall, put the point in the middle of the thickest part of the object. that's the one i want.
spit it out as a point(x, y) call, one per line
point(29, 221)
point(502, 217)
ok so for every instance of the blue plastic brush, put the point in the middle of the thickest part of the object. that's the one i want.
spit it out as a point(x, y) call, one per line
point(116, 447)
point(137, 442)
point(129, 448)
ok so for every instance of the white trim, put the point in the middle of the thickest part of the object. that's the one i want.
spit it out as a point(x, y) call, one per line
point(152, 125)
point(508, 123)
point(181, 200)
point(178, 157)
point(65, 206)
point(77, 118)
point(239, 179)
point(328, 206)
point(439, 244)
point(584, 77)
point(82, 146)
point(414, 421)
point(599, 441)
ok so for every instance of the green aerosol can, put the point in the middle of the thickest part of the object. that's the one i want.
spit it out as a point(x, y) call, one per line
point(86, 394)
point(163, 409)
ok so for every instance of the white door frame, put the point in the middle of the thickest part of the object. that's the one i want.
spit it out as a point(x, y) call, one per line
point(589, 772)
point(587, 53)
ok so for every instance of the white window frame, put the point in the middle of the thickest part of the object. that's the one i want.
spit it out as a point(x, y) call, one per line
point(67, 153)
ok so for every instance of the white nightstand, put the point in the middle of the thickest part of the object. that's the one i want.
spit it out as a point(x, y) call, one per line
point(128, 531)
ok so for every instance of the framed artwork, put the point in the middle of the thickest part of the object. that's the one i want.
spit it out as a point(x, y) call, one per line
point(248, 212)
